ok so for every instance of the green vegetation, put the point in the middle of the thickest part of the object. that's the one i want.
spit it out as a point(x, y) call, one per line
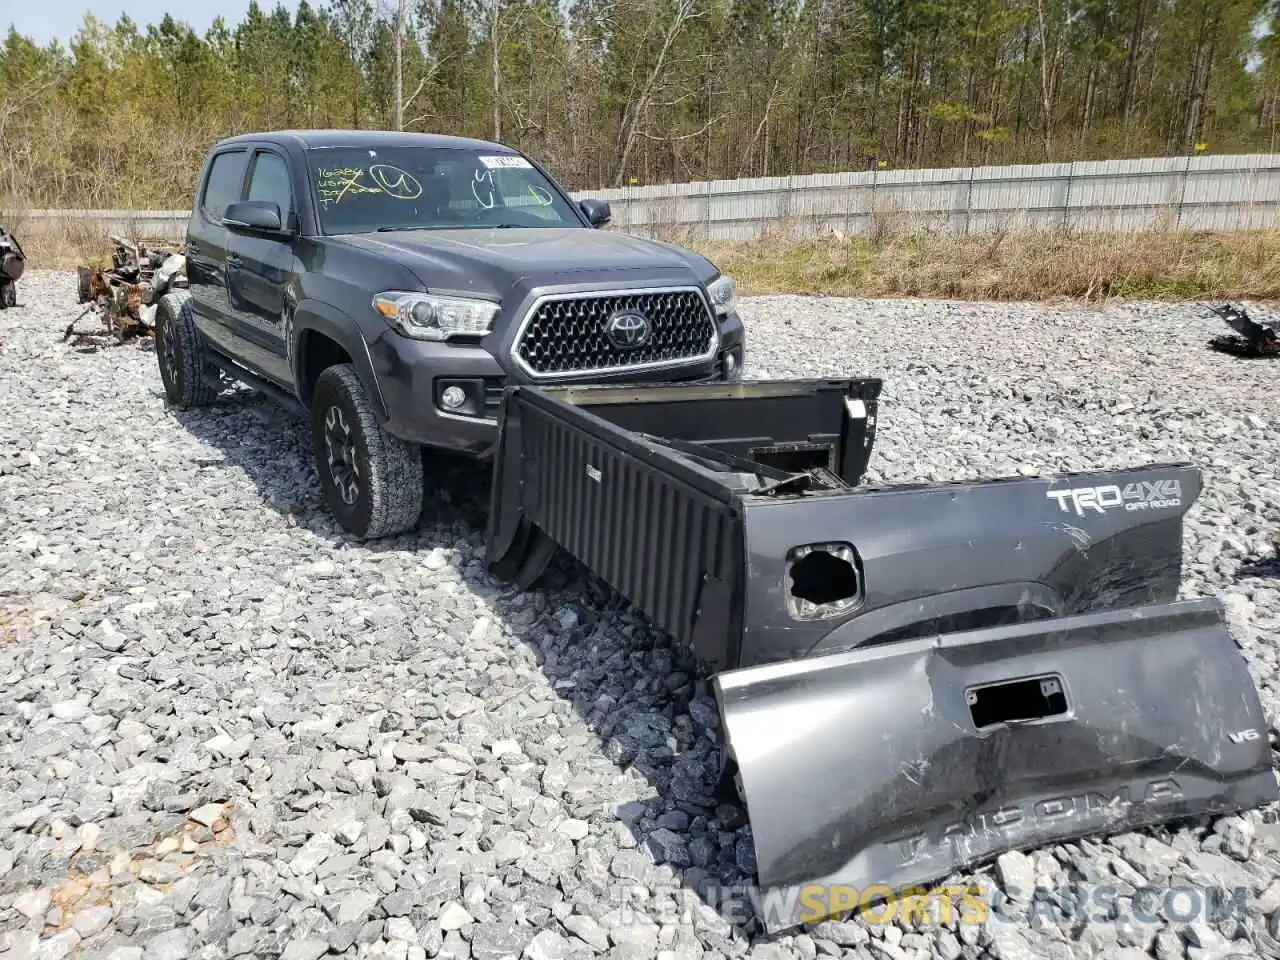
point(1158, 266)
point(614, 91)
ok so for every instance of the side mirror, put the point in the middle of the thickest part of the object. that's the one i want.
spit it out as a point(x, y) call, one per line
point(254, 216)
point(597, 211)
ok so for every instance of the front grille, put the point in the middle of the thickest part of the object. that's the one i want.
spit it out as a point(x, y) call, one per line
point(566, 335)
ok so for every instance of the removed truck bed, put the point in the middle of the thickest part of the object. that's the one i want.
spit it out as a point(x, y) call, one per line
point(911, 679)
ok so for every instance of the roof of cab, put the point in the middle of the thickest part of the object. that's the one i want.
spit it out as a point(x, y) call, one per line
point(362, 139)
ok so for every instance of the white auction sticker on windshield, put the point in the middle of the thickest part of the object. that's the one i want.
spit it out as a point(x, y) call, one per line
point(505, 160)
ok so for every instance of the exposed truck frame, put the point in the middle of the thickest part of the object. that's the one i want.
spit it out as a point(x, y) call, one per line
point(12, 265)
point(911, 679)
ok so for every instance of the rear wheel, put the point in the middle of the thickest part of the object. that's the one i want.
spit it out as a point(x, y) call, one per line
point(8, 295)
point(180, 353)
point(372, 481)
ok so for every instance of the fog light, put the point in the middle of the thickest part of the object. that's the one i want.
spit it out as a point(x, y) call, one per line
point(733, 364)
point(453, 397)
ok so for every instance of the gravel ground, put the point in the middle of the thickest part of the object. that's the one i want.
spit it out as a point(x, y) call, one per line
point(227, 730)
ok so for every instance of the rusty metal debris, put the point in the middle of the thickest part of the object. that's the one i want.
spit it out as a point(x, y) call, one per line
point(124, 296)
point(12, 263)
point(1251, 339)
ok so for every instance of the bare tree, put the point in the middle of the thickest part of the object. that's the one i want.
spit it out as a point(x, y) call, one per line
point(1202, 59)
point(26, 94)
point(399, 20)
point(353, 20)
point(493, 16)
point(682, 13)
point(397, 12)
point(1050, 70)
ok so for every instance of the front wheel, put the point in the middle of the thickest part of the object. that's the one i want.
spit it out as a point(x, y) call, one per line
point(372, 481)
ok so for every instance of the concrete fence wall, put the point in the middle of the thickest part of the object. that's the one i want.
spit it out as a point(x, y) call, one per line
point(1172, 193)
point(151, 224)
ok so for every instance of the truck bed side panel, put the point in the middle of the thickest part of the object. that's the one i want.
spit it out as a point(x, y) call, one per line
point(1004, 550)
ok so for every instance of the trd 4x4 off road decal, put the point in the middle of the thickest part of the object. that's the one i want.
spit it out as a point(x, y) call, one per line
point(1142, 495)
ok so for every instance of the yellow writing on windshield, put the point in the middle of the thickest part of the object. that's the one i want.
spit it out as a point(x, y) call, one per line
point(334, 184)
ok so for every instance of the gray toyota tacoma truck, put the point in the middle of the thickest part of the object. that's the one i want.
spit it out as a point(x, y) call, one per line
point(910, 679)
point(393, 283)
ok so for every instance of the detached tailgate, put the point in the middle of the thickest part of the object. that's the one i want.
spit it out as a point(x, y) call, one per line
point(912, 678)
point(897, 764)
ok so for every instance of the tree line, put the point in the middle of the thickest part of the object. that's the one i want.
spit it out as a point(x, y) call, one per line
point(611, 92)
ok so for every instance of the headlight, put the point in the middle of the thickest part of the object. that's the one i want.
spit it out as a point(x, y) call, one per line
point(425, 316)
point(724, 295)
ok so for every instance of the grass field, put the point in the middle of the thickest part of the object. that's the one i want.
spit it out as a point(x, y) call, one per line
point(1156, 266)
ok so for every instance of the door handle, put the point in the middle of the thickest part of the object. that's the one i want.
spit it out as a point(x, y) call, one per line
point(233, 260)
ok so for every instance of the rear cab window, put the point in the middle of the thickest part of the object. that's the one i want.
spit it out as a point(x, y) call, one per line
point(222, 187)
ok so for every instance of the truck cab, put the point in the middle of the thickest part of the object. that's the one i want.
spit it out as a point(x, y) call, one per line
point(426, 273)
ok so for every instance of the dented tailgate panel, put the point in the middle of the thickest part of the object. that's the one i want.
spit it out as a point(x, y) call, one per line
point(1011, 549)
point(895, 765)
point(911, 679)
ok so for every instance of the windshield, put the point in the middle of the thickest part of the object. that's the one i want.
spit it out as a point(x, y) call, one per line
point(359, 190)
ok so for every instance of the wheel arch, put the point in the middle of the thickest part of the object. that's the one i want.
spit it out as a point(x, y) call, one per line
point(321, 336)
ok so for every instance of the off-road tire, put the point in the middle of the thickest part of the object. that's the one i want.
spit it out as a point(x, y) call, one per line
point(8, 294)
point(383, 494)
point(180, 353)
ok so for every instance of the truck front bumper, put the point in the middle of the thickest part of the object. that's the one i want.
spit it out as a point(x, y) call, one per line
point(413, 375)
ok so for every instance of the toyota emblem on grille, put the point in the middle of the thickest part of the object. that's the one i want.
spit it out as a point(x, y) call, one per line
point(627, 330)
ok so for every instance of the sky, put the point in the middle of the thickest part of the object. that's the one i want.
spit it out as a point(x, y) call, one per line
point(46, 20)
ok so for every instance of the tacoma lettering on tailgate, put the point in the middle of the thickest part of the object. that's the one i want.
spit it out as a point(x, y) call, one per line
point(1033, 814)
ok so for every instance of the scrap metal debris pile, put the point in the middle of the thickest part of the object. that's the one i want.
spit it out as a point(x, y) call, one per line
point(124, 297)
point(12, 262)
point(1251, 339)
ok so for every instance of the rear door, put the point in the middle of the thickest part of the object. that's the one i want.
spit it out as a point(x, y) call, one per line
point(259, 266)
point(207, 242)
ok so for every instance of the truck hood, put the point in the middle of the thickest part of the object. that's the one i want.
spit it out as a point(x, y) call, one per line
point(495, 260)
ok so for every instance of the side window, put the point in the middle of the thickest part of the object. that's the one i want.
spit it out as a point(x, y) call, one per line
point(270, 181)
point(223, 186)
